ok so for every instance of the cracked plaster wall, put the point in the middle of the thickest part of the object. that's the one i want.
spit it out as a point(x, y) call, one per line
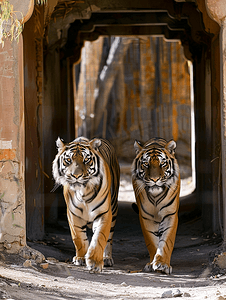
point(12, 150)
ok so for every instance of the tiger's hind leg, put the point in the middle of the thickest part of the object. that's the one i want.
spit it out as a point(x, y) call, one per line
point(108, 260)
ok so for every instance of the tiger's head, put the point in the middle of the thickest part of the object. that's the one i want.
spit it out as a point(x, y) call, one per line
point(76, 163)
point(155, 165)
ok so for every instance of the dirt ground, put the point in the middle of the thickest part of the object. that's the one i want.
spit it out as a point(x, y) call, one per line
point(193, 277)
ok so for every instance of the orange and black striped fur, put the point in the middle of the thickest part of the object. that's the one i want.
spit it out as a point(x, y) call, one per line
point(88, 170)
point(156, 183)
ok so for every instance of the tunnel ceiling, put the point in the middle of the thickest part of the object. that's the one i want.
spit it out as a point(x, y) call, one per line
point(73, 22)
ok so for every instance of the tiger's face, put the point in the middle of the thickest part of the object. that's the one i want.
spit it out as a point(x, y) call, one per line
point(154, 168)
point(155, 165)
point(76, 163)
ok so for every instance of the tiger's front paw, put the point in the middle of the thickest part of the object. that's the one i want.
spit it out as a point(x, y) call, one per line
point(94, 261)
point(108, 261)
point(158, 267)
point(161, 267)
point(79, 261)
point(159, 264)
point(94, 266)
point(148, 267)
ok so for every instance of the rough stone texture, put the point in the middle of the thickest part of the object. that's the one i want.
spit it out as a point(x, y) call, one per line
point(216, 10)
point(221, 260)
point(12, 201)
point(12, 166)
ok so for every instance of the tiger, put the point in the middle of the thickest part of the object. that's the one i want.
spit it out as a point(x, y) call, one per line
point(89, 172)
point(156, 184)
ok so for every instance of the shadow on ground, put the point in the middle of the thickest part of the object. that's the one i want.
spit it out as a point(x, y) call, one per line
point(125, 280)
point(190, 255)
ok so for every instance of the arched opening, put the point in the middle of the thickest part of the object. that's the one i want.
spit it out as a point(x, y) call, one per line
point(181, 22)
point(147, 84)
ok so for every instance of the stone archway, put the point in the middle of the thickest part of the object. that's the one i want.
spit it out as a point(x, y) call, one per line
point(12, 144)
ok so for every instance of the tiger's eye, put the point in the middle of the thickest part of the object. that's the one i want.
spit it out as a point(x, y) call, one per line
point(67, 160)
point(87, 160)
point(163, 164)
point(145, 164)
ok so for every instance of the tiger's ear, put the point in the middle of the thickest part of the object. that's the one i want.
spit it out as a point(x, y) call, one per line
point(138, 146)
point(171, 147)
point(60, 144)
point(95, 143)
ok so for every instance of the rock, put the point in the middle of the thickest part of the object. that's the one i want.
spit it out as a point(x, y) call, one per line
point(186, 295)
point(177, 293)
point(221, 260)
point(27, 263)
point(52, 260)
point(29, 253)
point(44, 265)
point(123, 284)
point(7, 246)
point(167, 294)
point(70, 278)
point(172, 294)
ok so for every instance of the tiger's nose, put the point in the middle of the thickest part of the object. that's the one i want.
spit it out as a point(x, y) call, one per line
point(76, 175)
point(155, 179)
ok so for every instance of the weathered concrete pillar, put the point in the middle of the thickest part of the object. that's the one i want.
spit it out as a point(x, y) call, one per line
point(12, 146)
point(217, 11)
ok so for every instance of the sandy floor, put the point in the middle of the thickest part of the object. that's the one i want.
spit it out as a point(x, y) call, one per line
point(193, 276)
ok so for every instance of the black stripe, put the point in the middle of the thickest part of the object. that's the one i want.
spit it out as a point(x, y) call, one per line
point(98, 165)
point(159, 233)
point(96, 191)
point(114, 212)
point(168, 216)
point(156, 233)
point(163, 196)
point(171, 202)
point(79, 208)
point(148, 219)
point(145, 210)
point(150, 198)
point(113, 218)
point(114, 205)
point(58, 166)
point(75, 215)
point(80, 227)
point(101, 203)
point(100, 215)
